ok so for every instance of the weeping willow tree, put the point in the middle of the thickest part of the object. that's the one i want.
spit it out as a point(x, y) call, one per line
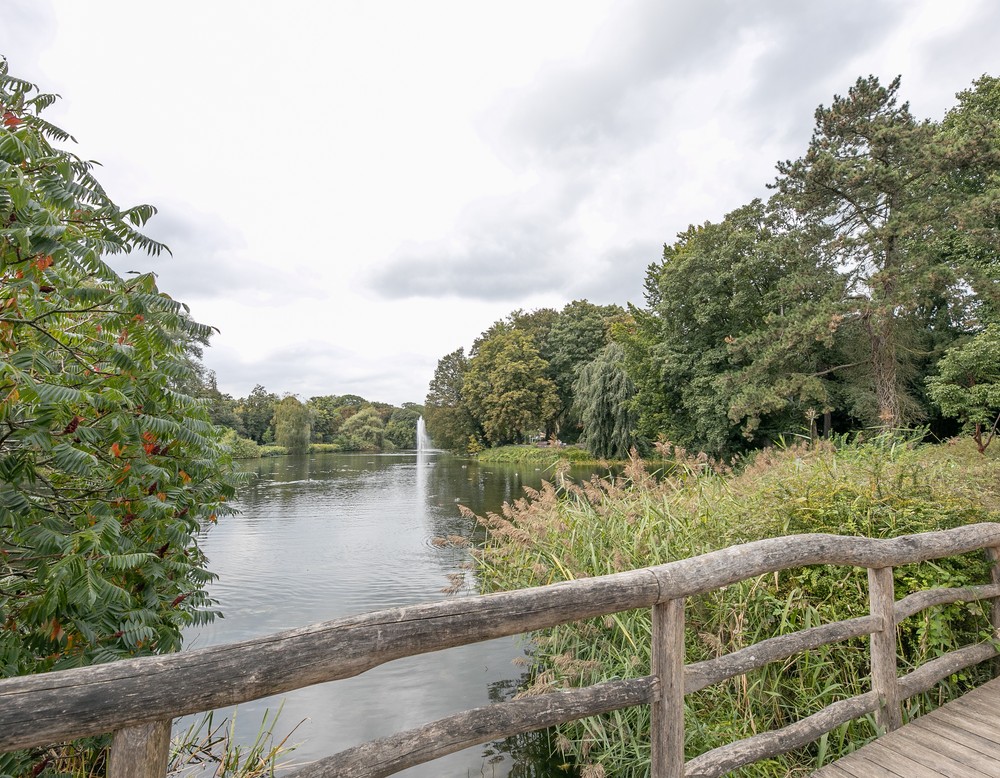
point(604, 395)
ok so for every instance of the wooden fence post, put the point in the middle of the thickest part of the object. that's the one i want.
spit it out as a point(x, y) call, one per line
point(667, 720)
point(140, 752)
point(993, 554)
point(881, 596)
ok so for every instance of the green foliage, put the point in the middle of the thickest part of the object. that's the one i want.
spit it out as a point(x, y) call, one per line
point(449, 422)
point(364, 431)
point(835, 299)
point(326, 417)
point(257, 413)
point(209, 745)
point(333, 425)
point(107, 469)
point(738, 332)
point(967, 385)
point(401, 428)
point(540, 454)
point(970, 138)
point(291, 425)
point(887, 488)
point(240, 448)
point(604, 394)
point(505, 388)
point(325, 448)
point(576, 337)
point(222, 409)
point(872, 188)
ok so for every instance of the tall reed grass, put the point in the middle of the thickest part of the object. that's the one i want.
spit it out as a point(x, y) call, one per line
point(882, 488)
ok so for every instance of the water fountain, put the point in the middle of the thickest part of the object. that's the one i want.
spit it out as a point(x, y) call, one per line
point(423, 442)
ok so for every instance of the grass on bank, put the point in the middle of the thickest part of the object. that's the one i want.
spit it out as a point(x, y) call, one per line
point(211, 748)
point(544, 455)
point(883, 488)
point(208, 747)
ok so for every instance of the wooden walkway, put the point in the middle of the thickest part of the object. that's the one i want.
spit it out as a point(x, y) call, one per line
point(959, 740)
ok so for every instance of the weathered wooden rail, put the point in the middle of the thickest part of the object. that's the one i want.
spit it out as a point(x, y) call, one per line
point(137, 699)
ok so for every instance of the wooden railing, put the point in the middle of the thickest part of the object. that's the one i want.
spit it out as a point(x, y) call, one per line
point(137, 699)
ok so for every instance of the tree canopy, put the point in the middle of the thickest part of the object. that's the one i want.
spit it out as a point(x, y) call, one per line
point(822, 309)
point(506, 388)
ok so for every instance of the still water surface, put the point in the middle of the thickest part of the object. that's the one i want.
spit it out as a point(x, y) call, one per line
point(333, 535)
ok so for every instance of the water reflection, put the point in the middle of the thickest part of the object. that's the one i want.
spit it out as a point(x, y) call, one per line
point(328, 536)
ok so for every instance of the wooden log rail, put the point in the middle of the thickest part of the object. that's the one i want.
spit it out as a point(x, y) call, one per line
point(138, 698)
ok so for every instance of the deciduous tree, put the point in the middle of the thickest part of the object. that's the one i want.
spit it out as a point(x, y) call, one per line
point(364, 431)
point(449, 422)
point(107, 470)
point(257, 412)
point(603, 395)
point(575, 338)
point(292, 425)
point(967, 385)
point(506, 389)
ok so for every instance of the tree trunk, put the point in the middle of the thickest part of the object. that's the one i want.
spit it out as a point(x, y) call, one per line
point(881, 336)
point(880, 321)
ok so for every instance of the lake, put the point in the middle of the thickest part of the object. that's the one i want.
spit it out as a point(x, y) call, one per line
point(332, 535)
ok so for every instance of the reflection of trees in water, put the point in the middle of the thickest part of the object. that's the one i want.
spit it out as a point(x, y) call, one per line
point(436, 484)
point(283, 479)
point(533, 753)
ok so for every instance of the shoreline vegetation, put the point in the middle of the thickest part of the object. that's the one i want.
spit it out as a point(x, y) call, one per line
point(886, 487)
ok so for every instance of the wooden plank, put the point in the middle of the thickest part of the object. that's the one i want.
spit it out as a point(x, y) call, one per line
point(667, 714)
point(910, 744)
point(936, 730)
point(958, 740)
point(859, 769)
point(982, 708)
point(958, 720)
point(954, 741)
point(890, 761)
point(835, 770)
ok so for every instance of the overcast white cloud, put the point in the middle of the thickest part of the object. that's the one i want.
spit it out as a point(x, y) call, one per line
point(352, 190)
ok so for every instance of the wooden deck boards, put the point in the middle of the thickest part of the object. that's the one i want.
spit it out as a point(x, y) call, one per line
point(958, 740)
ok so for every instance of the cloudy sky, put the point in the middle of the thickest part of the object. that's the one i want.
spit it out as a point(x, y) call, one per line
point(352, 190)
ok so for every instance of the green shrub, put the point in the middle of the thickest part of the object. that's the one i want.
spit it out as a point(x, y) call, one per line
point(240, 448)
point(273, 451)
point(325, 448)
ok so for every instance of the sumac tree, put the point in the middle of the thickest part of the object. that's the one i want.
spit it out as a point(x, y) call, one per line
point(107, 469)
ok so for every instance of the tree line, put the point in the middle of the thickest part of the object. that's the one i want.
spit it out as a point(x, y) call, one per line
point(337, 422)
point(864, 293)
